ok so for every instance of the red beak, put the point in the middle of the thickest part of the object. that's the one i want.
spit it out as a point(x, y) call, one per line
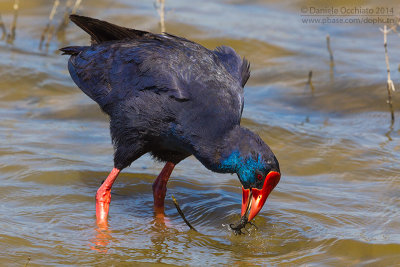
point(258, 197)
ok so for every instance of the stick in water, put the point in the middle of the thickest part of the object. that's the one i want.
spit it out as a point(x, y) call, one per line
point(181, 213)
point(65, 20)
point(68, 11)
point(27, 261)
point(3, 28)
point(47, 29)
point(332, 63)
point(76, 6)
point(389, 85)
point(328, 44)
point(160, 7)
point(11, 35)
point(309, 82)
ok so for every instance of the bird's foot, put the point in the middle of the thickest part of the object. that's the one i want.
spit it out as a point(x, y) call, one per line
point(237, 230)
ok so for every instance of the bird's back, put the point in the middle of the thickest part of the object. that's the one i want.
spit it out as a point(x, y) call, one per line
point(122, 62)
point(164, 87)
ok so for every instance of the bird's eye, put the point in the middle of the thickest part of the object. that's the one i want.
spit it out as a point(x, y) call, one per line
point(259, 177)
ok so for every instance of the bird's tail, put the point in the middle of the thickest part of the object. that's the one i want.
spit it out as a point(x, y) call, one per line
point(101, 31)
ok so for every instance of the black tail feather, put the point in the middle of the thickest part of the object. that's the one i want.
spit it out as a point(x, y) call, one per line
point(101, 31)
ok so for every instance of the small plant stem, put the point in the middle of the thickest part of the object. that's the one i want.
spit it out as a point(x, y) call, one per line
point(181, 213)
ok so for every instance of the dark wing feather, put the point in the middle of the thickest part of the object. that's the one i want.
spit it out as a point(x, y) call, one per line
point(123, 62)
point(237, 67)
point(133, 62)
point(111, 72)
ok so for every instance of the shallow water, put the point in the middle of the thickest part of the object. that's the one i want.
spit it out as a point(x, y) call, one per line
point(336, 204)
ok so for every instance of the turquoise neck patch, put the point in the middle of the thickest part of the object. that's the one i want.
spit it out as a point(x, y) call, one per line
point(245, 168)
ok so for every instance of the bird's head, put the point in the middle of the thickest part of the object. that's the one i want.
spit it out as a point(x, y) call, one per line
point(257, 169)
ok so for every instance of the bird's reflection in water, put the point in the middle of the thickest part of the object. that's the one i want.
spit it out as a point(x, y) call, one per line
point(159, 232)
point(160, 229)
point(102, 238)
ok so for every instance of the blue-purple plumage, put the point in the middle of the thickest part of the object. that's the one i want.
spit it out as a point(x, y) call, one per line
point(168, 96)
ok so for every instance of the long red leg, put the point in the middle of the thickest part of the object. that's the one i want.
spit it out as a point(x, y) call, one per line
point(103, 197)
point(160, 187)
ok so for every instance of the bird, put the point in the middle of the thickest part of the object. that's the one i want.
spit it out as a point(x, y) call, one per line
point(173, 98)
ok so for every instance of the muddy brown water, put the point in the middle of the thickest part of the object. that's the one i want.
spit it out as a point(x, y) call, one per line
point(336, 204)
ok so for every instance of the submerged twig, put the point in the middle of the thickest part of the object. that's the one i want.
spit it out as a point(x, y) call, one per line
point(181, 213)
point(389, 85)
point(160, 7)
point(11, 35)
point(3, 28)
point(309, 82)
point(49, 29)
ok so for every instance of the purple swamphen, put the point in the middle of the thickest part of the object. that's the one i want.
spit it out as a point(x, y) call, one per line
point(173, 98)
